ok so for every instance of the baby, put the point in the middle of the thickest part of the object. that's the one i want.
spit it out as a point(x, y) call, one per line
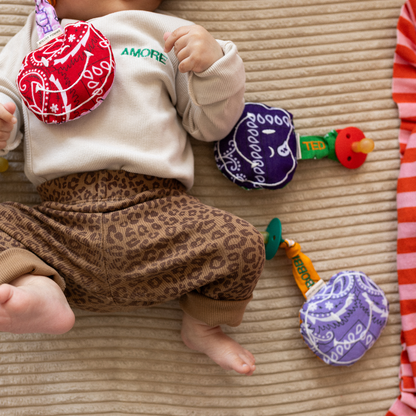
point(116, 229)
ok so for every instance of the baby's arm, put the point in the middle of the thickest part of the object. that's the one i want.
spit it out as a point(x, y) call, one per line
point(7, 122)
point(11, 58)
point(210, 82)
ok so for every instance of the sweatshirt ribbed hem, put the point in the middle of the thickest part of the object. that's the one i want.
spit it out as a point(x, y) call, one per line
point(214, 312)
point(16, 262)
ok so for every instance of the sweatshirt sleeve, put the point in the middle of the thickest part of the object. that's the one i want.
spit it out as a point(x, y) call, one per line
point(211, 102)
point(11, 58)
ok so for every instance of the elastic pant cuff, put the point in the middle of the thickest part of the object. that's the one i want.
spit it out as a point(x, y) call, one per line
point(213, 312)
point(16, 262)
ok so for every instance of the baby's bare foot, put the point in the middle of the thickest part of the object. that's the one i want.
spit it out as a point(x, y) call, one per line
point(226, 352)
point(34, 304)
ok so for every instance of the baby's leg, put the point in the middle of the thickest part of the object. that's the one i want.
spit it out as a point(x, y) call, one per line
point(34, 304)
point(232, 264)
point(218, 346)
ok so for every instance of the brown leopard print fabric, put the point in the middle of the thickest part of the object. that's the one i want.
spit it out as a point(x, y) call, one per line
point(124, 241)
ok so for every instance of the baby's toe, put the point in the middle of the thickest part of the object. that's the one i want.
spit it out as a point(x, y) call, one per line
point(244, 364)
point(248, 357)
point(6, 292)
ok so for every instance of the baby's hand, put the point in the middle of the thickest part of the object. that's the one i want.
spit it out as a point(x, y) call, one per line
point(7, 122)
point(195, 48)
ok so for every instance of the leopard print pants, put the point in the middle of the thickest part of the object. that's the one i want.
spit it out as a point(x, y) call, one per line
point(117, 241)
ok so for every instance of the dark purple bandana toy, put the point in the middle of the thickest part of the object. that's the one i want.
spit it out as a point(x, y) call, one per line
point(262, 150)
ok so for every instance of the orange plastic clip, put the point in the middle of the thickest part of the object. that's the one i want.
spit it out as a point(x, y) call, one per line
point(303, 271)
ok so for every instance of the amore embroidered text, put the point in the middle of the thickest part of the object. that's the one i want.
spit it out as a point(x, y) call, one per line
point(146, 53)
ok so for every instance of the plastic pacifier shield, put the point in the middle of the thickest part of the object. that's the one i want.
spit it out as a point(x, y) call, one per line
point(274, 230)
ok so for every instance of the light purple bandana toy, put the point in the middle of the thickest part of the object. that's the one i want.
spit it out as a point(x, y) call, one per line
point(344, 319)
point(341, 319)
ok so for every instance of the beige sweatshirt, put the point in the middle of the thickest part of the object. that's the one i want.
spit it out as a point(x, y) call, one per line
point(142, 125)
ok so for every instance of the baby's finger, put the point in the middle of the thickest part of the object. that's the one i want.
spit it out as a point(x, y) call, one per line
point(174, 36)
point(187, 65)
point(182, 53)
point(10, 107)
point(3, 139)
point(6, 115)
point(6, 127)
point(180, 45)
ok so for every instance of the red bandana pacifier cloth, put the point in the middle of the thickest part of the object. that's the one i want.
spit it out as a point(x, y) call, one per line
point(71, 72)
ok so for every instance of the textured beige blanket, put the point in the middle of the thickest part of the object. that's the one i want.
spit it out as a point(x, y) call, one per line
point(329, 62)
